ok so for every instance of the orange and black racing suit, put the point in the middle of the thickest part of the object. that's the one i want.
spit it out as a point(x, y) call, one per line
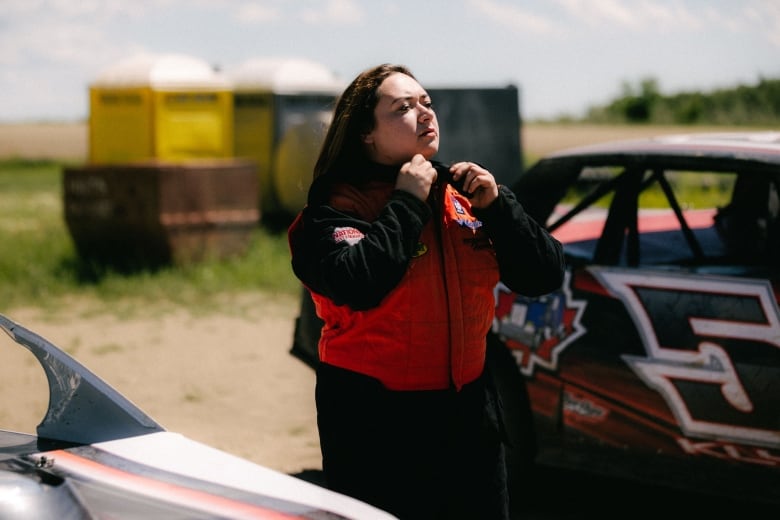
point(405, 289)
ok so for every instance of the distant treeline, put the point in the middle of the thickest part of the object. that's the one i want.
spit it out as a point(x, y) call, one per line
point(742, 105)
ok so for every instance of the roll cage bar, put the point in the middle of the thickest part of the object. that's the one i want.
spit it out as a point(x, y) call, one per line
point(622, 221)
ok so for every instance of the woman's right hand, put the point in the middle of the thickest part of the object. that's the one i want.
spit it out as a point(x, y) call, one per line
point(416, 177)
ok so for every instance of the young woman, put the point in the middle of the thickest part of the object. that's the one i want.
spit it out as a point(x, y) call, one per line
point(401, 266)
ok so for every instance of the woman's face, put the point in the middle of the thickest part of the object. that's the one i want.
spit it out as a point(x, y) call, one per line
point(405, 123)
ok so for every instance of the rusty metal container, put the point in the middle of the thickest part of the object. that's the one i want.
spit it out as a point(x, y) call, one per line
point(155, 213)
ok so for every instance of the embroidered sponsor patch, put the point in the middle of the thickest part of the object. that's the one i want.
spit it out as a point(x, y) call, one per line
point(473, 224)
point(458, 206)
point(349, 235)
point(466, 220)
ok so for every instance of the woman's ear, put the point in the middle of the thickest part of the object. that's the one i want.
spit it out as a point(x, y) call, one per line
point(367, 138)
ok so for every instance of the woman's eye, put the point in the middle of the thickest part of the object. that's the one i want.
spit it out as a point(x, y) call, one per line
point(404, 107)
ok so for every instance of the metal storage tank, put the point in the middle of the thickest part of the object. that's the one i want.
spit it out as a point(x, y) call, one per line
point(282, 107)
point(167, 107)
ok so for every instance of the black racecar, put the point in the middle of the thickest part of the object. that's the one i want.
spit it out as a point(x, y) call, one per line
point(659, 357)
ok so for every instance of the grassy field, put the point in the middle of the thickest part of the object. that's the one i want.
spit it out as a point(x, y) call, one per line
point(39, 265)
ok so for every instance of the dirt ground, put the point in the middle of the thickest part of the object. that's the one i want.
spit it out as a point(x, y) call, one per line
point(226, 378)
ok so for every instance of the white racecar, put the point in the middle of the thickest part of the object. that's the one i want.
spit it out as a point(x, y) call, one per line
point(96, 455)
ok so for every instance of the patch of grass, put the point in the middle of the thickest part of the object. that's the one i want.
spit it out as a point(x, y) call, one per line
point(107, 348)
point(39, 265)
point(193, 396)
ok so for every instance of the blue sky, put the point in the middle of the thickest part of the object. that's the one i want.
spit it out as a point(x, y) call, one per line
point(564, 55)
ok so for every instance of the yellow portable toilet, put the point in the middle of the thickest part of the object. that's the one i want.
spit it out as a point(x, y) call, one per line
point(282, 107)
point(168, 107)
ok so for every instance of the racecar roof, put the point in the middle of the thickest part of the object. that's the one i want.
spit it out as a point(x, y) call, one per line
point(763, 146)
point(546, 182)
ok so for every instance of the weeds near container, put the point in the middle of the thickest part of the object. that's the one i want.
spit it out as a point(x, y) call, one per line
point(40, 267)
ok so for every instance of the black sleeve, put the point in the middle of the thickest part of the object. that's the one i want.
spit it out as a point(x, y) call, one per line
point(530, 260)
point(359, 272)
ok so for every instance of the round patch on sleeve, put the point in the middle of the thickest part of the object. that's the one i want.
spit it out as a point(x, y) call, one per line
point(349, 235)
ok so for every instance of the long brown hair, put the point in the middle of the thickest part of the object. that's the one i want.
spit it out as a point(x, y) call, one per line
point(353, 118)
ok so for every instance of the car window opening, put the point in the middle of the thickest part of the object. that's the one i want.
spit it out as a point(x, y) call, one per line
point(653, 220)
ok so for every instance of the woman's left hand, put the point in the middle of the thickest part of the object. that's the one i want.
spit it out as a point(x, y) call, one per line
point(477, 181)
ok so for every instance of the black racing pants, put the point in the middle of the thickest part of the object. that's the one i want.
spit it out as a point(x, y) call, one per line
point(419, 455)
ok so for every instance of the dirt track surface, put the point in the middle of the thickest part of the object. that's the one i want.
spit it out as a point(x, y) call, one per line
point(71, 140)
point(68, 141)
